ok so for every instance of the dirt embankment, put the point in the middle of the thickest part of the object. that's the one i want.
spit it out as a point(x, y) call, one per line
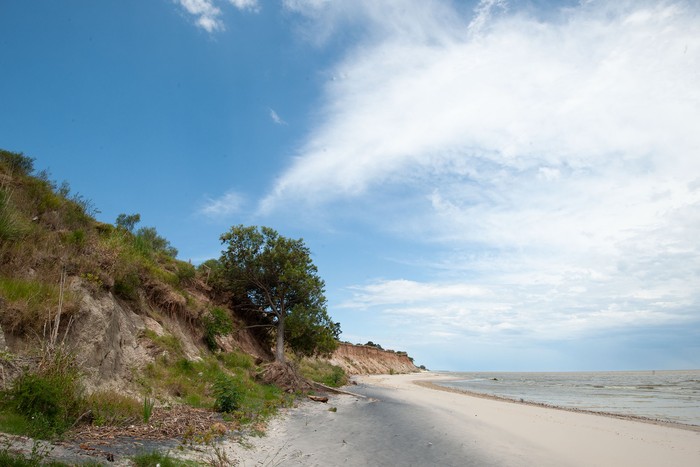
point(367, 360)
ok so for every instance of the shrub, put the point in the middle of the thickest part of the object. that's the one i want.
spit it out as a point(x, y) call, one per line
point(50, 398)
point(17, 162)
point(77, 238)
point(126, 286)
point(227, 394)
point(148, 240)
point(10, 226)
point(216, 323)
point(185, 272)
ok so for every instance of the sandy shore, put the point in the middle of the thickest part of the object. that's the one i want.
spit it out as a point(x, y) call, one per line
point(395, 422)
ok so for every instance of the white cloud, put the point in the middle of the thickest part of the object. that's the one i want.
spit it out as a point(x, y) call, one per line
point(251, 5)
point(208, 15)
point(559, 153)
point(221, 208)
point(276, 118)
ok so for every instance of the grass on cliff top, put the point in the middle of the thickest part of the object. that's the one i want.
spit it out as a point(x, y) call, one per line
point(45, 230)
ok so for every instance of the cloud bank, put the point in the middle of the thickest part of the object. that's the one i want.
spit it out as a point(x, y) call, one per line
point(552, 158)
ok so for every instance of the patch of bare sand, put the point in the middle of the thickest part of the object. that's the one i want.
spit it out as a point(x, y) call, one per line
point(404, 423)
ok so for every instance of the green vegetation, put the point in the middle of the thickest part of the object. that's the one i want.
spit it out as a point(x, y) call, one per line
point(48, 233)
point(29, 303)
point(159, 459)
point(216, 323)
point(8, 459)
point(225, 383)
point(47, 400)
point(323, 372)
point(278, 277)
point(148, 405)
point(16, 162)
point(227, 394)
point(111, 408)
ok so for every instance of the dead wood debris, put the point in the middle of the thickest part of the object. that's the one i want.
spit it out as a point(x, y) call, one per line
point(165, 423)
point(285, 376)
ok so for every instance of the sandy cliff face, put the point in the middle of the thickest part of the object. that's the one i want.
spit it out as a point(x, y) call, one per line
point(113, 340)
point(363, 360)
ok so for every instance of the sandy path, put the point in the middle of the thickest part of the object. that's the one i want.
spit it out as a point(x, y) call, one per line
point(403, 424)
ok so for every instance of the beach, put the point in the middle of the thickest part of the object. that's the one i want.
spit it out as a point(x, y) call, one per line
point(392, 421)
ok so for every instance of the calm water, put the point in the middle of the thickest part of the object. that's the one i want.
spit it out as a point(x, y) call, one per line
point(665, 395)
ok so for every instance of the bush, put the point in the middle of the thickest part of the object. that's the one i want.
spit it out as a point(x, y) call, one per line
point(17, 162)
point(10, 226)
point(227, 394)
point(216, 323)
point(185, 272)
point(126, 286)
point(147, 240)
point(49, 398)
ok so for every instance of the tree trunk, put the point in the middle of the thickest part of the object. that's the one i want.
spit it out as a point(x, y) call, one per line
point(279, 353)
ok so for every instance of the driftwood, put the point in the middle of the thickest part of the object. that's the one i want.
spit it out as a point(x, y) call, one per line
point(318, 398)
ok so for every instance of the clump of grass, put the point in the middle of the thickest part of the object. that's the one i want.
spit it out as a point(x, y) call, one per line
point(166, 342)
point(30, 303)
point(49, 398)
point(148, 404)
point(236, 360)
point(112, 408)
point(10, 225)
point(323, 372)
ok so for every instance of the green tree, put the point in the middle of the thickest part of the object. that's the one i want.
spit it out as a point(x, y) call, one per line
point(128, 221)
point(277, 276)
point(149, 239)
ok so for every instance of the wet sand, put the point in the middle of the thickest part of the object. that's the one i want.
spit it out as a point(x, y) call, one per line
point(394, 422)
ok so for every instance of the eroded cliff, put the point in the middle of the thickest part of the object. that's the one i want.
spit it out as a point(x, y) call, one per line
point(363, 359)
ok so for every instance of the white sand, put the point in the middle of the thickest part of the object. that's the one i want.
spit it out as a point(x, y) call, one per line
point(408, 424)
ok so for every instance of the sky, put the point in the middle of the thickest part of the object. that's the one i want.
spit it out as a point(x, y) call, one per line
point(488, 185)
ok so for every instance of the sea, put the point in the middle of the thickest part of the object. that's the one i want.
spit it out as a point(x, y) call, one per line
point(667, 395)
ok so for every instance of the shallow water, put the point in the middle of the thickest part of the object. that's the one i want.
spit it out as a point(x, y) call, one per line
point(664, 395)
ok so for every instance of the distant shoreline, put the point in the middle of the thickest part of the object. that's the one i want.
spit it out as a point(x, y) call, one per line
point(636, 418)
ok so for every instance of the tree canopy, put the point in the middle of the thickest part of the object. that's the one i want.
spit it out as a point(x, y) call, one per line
point(277, 276)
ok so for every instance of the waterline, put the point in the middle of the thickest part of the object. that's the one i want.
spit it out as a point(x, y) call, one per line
point(661, 395)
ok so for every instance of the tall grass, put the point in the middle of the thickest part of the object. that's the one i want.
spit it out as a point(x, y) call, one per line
point(50, 397)
point(30, 303)
point(10, 226)
point(323, 372)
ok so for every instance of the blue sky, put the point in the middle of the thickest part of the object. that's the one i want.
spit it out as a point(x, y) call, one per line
point(492, 185)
